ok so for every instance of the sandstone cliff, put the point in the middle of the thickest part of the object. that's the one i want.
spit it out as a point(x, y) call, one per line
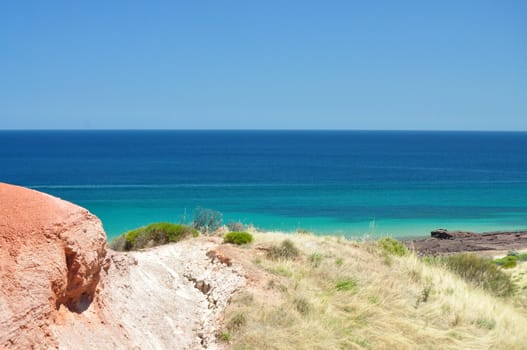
point(61, 288)
point(51, 256)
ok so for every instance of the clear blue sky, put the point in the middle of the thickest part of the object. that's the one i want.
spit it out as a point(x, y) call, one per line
point(438, 65)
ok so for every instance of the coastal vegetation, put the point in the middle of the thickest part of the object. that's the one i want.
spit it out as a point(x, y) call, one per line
point(152, 235)
point(312, 292)
point(480, 272)
point(206, 220)
point(334, 293)
point(238, 238)
point(392, 246)
point(511, 259)
point(285, 250)
point(236, 226)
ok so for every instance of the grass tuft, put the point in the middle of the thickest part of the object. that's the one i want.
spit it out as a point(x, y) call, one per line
point(346, 284)
point(302, 305)
point(485, 323)
point(286, 251)
point(225, 337)
point(481, 272)
point(315, 259)
point(237, 322)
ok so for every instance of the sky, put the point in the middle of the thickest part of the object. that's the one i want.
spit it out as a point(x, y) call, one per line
point(390, 65)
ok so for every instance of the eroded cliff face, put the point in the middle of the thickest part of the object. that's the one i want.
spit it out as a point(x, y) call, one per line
point(51, 256)
point(61, 288)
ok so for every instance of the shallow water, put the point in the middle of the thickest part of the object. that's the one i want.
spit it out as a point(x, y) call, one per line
point(346, 182)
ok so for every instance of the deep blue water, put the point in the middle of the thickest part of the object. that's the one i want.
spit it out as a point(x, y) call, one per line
point(349, 182)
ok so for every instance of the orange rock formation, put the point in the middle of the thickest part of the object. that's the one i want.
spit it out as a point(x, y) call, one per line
point(60, 288)
point(51, 256)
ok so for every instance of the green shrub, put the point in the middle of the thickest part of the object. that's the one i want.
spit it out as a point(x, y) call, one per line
point(507, 262)
point(238, 238)
point(480, 272)
point(286, 250)
point(152, 235)
point(519, 256)
point(511, 260)
point(392, 246)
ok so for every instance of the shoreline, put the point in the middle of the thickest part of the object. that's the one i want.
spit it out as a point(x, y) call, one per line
point(410, 230)
point(400, 230)
point(438, 242)
point(443, 242)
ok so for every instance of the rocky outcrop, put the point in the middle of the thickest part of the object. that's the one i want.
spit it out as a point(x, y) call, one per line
point(51, 256)
point(443, 241)
point(170, 297)
point(442, 233)
point(61, 288)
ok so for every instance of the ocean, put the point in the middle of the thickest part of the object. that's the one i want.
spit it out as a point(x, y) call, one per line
point(352, 183)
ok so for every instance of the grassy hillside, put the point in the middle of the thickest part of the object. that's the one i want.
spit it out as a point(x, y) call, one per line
point(339, 294)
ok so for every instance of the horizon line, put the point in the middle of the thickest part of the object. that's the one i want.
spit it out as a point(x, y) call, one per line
point(252, 130)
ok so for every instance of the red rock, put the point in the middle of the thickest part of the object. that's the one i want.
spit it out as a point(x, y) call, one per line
point(219, 256)
point(57, 289)
point(51, 254)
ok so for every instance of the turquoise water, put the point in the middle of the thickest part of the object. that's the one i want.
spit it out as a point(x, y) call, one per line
point(351, 183)
point(405, 211)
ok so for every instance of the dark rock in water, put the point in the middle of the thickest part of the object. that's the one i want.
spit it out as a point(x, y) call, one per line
point(441, 233)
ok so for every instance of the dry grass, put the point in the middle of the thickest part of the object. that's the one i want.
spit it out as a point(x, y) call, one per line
point(340, 294)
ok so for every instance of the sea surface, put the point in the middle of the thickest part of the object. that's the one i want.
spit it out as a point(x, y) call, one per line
point(355, 183)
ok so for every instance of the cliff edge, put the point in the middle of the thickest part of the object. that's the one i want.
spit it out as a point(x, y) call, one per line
point(60, 287)
point(51, 256)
